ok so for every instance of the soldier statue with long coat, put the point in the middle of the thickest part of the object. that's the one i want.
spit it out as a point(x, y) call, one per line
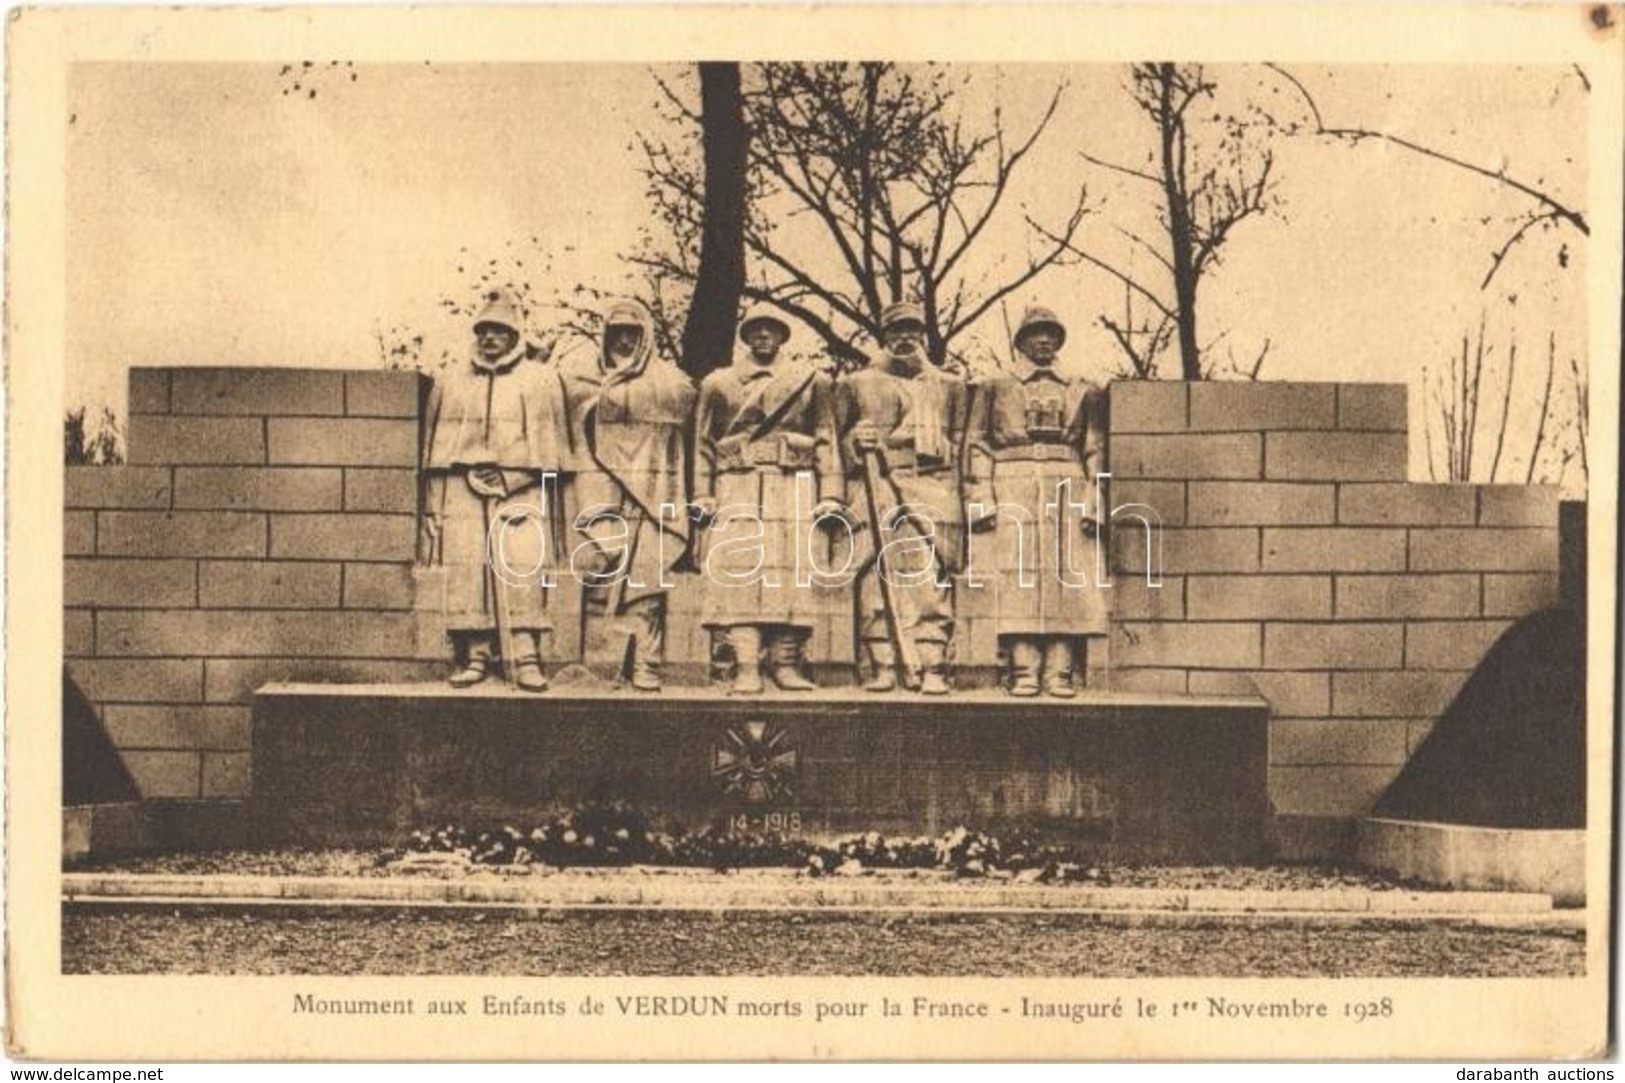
point(1033, 452)
point(764, 443)
point(496, 443)
point(629, 412)
point(901, 421)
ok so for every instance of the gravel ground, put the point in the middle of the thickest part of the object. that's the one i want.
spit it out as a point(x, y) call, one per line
point(134, 941)
point(373, 863)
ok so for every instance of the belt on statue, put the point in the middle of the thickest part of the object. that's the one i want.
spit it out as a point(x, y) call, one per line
point(1036, 453)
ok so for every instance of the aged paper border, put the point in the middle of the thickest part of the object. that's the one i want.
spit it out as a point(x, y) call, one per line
point(186, 1018)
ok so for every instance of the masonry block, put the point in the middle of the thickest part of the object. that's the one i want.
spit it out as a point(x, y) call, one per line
point(1259, 503)
point(1258, 597)
point(163, 774)
point(1518, 505)
point(1134, 599)
point(78, 533)
point(1334, 646)
point(1366, 742)
point(78, 632)
point(1518, 595)
point(144, 680)
point(1405, 504)
point(350, 536)
point(1208, 646)
point(378, 586)
point(255, 391)
point(1148, 406)
point(1236, 455)
point(312, 441)
point(149, 391)
point(234, 680)
point(382, 394)
point(1452, 644)
point(177, 727)
point(1302, 695)
point(129, 584)
point(1396, 695)
point(250, 488)
point(163, 440)
point(1486, 549)
point(380, 490)
point(117, 487)
point(181, 534)
point(228, 633)
point(1166, 499)
point(276, 584)
point(226, 774)
point(1374, 407)
point(1219, 406)
point(1220, 682)
point(1149, 680)
point(1335, 456)
point(1368, 597)
point(1212, 549)
point(1333, 549)
point(1347, 791)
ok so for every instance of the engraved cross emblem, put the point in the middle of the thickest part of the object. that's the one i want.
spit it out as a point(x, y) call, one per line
point(756, 763)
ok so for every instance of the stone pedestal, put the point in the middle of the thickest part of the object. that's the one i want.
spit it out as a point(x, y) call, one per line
point(1152, 777)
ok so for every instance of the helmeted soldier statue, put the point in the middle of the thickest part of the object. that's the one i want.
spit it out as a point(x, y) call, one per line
point(629, 411)
point(901, 421)
point(496, 427)
point(764, 442)
point(1034, 449)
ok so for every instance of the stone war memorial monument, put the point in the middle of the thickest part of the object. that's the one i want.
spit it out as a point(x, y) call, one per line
point(1192, 622)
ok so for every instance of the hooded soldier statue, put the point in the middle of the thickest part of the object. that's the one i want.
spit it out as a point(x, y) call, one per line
point(495, 429)
point(629, 413)
point(1033, 453)
point(764, 442)
point(901, 421)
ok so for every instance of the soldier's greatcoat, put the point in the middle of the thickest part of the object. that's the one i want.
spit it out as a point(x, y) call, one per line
point(509, 414)
point(921, 419)
point(1032, 428)
point(757, 429)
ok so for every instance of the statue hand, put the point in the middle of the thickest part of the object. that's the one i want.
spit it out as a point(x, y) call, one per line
point(866, 435)
point(705, 507)
point(827, 511)
point(487, 481)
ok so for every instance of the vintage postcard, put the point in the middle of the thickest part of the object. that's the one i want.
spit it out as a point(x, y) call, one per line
point(833, 533)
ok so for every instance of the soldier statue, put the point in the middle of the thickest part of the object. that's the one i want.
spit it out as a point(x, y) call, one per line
point(629, 412)
point(496, 433)
point(764, 441)
point(1033, 452)
point(901, 421)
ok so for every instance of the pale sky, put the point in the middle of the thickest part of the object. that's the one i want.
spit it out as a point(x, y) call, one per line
point(215, 220)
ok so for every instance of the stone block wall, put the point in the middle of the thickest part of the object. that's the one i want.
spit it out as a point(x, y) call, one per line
point(1296, 559)
point(264, 529)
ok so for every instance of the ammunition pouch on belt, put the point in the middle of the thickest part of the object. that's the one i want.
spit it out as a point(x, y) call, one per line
point(783, 451)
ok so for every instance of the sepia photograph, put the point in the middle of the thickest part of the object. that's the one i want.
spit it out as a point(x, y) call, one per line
point(660, 523)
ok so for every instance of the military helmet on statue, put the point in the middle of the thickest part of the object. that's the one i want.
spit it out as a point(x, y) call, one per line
point(902, 312)
point(502, 310)
point(1036, 317)
point(761, 314)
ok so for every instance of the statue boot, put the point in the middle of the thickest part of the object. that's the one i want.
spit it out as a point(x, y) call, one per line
point(527, 664)
point(882, 666)
point(1025, 658)
point(933, 668)
point(784, 654)
point(1059, 665)
point(746, 640)
point(648, 644)
point(474, 663)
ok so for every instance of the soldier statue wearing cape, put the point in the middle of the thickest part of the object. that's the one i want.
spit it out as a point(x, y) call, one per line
point(764, 442)
point(495, 429)
point(629, 414)
point(1035, 446)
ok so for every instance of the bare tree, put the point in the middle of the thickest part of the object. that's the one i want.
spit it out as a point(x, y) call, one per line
point(1207, 172)
point(866, 186)
point(1469, 416)
point(1544, 210)
point(83, 447)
